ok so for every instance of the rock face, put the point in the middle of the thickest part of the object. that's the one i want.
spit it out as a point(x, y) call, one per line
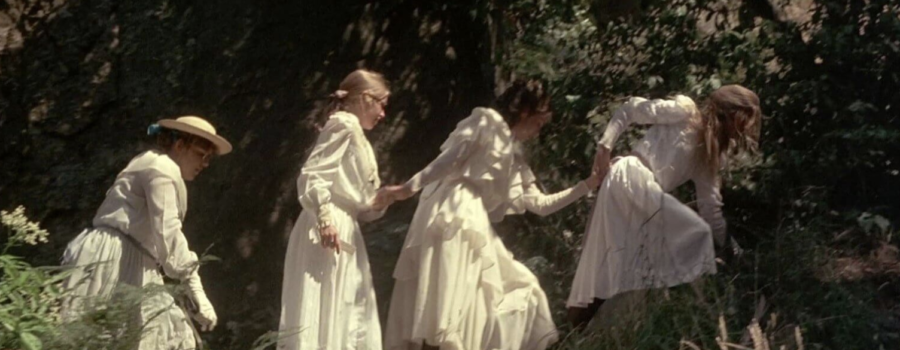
point(81, 80)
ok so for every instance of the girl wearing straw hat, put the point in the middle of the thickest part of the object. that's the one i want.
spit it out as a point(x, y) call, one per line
point(137, 237)
point(328, 298)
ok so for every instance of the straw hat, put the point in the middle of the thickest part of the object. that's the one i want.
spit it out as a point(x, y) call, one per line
point(199, 127)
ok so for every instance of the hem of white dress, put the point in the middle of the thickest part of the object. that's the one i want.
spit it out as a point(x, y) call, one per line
point(583, 299)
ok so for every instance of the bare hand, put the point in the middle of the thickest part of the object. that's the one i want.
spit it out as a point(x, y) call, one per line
point(593, 181)
point(601, 162)
point(206, 317)
point(398, 192)
point(383, 199)
point(329, 237)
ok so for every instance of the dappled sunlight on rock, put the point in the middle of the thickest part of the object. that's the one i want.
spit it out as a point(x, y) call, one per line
point(246, 242)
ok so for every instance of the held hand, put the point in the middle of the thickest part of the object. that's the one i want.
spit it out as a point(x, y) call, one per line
point(398, 192)
point(329, 237)
point(206, 317)
point(601, 161)
point(383, 199)
point(593, 181)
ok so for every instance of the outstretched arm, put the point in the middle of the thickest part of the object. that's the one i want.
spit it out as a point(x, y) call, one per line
point(439, 168)
point(709, 204)
point(643, 111)
point(536, 201)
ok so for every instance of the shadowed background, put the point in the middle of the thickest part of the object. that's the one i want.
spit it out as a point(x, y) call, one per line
point(80, 81)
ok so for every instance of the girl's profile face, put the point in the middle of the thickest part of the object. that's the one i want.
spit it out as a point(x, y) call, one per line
point(530, 124)
point(373, 111)
point(191, 157)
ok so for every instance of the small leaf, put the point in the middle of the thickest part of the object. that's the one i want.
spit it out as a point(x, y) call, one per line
point(860, 106)
point(30, 341)
point(881, 222)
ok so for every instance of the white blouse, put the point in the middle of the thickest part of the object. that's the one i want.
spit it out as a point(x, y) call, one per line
point(669, 149)
point(341, 171)
point(483, 152)
point(148, 201)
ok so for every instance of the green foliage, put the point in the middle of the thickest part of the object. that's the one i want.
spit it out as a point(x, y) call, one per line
point(28, 311)
point(31, 299)
point(828, 164)
point(108, 324)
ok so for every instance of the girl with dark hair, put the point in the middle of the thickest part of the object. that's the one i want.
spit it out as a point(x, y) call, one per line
point(456, 284)
point(137, 236)
point(639, 236)
point(328, 298)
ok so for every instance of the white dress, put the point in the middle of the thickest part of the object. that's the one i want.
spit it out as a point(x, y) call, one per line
point(639, 236)
point(456, 284)
point(328, 299)
point(148, 202)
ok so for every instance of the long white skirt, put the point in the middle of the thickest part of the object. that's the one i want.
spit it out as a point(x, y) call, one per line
point(104, 264)
point(639, 237)
point(328, 300)
point(458, 287)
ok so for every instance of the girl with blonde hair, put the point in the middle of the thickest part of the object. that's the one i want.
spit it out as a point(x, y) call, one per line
point(328, 299)
point(641, 237)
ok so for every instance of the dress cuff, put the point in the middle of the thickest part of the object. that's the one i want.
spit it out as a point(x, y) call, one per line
point(609, 138)
point(612, 131)
point(415, 183)
point(324, 218)
point(582, 188)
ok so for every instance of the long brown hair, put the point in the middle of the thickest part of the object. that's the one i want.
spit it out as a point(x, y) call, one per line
point(730, 122)
point(360, 86)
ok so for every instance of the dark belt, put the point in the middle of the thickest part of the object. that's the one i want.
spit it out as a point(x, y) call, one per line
point(136, 244)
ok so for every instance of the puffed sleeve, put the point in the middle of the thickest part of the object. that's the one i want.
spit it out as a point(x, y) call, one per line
point(321, 169)
point(643, 111)
point(444, 164)
point(473, 134)
point(172, 251)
